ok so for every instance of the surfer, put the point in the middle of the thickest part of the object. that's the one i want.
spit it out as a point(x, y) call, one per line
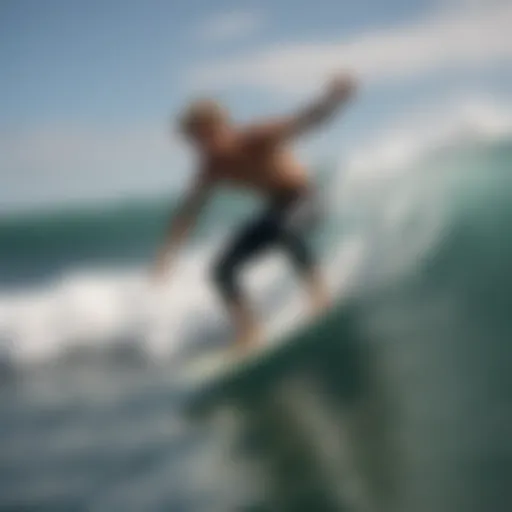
point(256, 158)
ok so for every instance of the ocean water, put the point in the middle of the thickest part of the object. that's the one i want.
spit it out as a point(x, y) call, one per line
point(420, 246)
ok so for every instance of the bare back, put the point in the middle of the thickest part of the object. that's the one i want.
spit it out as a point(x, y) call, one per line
point(248, 163)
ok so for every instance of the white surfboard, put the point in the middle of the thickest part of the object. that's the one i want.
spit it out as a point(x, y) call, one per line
point(291, 319)
point(212, 363)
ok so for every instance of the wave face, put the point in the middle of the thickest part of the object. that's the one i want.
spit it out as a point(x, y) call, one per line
point(398, 400)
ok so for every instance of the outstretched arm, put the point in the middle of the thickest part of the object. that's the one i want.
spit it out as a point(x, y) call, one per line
point(340, 90)
point(182, 222)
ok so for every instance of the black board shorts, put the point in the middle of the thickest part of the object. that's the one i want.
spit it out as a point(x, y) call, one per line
point(285, 222)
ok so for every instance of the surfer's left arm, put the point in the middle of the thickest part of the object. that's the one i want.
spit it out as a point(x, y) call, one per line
point(182, 221)
point(282, 130)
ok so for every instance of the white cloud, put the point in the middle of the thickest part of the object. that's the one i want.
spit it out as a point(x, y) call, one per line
point(464, 119)
point(463, 37)
point(62, 162)
point(229, 26)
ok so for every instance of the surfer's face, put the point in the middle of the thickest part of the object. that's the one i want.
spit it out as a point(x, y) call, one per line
point(206, 124)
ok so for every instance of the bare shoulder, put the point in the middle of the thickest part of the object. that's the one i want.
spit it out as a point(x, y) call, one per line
point(260, 135)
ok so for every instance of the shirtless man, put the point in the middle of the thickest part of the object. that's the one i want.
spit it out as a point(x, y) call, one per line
point(255, 158)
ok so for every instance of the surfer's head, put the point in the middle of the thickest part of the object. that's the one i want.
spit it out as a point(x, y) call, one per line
point(205, 122)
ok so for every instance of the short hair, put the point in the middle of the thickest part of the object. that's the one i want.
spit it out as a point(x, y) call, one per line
point(202, 111)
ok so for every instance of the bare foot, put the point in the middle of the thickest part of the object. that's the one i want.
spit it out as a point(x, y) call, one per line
point(248, 339)
point(319, 304)
point(319, 297)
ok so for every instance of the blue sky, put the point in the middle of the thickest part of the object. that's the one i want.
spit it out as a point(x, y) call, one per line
point(88, 86)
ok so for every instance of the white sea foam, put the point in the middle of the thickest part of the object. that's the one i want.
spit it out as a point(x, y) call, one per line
point(91, 310)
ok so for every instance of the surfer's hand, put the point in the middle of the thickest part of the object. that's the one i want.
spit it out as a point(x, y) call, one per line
point(341, 87)
point(160, 269)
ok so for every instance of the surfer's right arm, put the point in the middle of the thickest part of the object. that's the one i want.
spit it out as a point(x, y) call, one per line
point(183, 220)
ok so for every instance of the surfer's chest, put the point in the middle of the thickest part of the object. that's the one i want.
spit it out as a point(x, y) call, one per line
point(240, 167)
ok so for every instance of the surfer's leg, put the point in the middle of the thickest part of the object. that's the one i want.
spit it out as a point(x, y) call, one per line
point(248, 243)
point(296, 225)
point(309, 270)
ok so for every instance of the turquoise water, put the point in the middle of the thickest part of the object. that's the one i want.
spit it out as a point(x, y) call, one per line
point(90, 424)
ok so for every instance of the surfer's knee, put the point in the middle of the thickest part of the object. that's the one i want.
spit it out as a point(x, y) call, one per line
point(301, 254)
point(224, 276)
